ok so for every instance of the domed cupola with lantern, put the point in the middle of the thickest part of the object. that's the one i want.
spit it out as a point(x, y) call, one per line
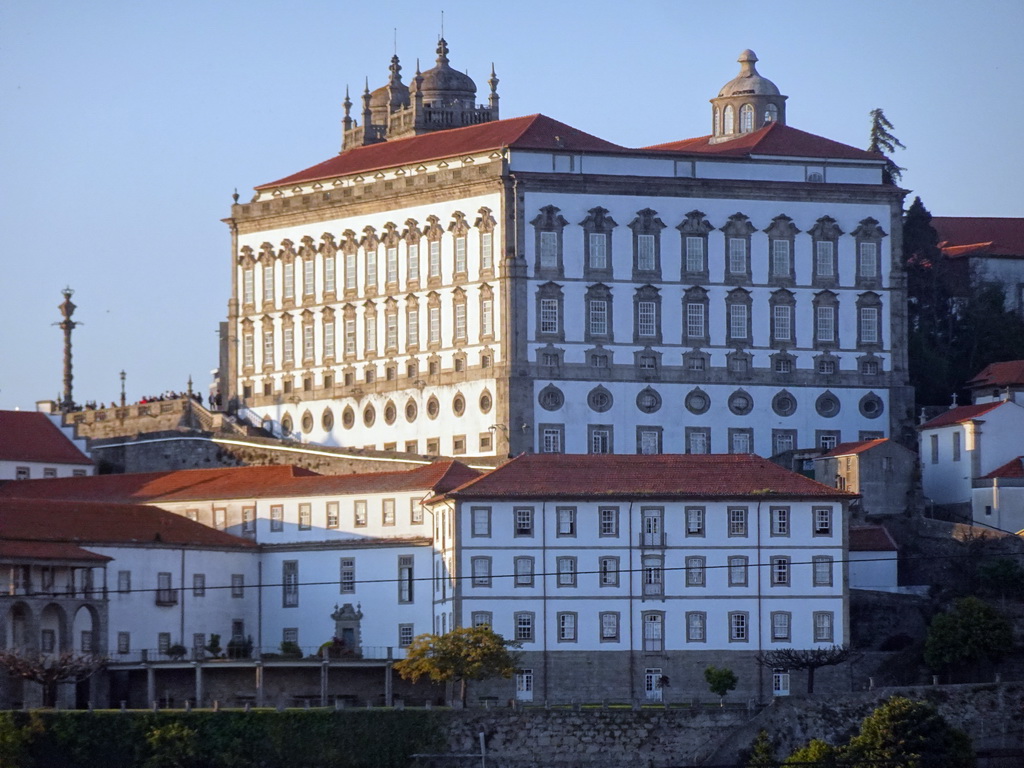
point(746, 103)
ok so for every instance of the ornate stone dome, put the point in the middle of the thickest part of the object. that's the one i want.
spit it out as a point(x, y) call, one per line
point(443, 85)
point(748, 82)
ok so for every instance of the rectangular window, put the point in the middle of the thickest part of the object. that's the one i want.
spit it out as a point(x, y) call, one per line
point(163, 642)
point(826, 317)
point(598, 317)
point(524, 571)
point(653, 576)
point(348, 575)
point(199, 643)
point(956, 446)
point(405, 635)
point(460, 255)
point(566, 627)
point(308, 278)
point(486, 251)
point(524, 627)
point(609, 521)
point(288, 289)
point(654, 634)
point(823, 521)
point(869, 325)
point(649, 441)
point(695, 521)
point(549, 250)
point(329, 348)
point(165, 595)
point(276, 518)
point(487, 317)
point(359, 509)
point(460, 322)
point(405, 579)
point(412, 331)
point(333, 516)
point(124, 642)
point(268, 347)
point(307, 342)
point(822, 565)
point(823, 253)
point(350, 271)
point(695, 320)
point(566, 571)
point(370, 333)
point(523, 521)
point(780, 625)
point(124, 582)
point(391, 264)
point(645, 253)
point(737, 522)
point(482, 619)
point(388, 512)
point(609, 571)
point(738, 625)
point(696, 626)
point(549, 315)
point(248, 289)
point(598, 250)
point(695, 574)
point(697, 441)
point(737, 256)
point(935, 449)
point(435, 258)
point(600, 440)
point(551, 439)
point(247, 351)
point(782, 315)
point(738, 321)
point(268, 283)
point(481, 571)
point(415, 511)
point(566, 521)
point(413, 258)
point(646, 318)
point(867, 260)
point(780, 571)
point(481, 517)
point(737, 571)
point(371, 267)
point(350, 336)
point(740, 441)
point(780, 258)
point(434, 319)
point(609, 627)
point(305, 517)
point(198, 585)
point(329, 279)
point(780, 521)
point(823, 632)
point(694, 254)
point(290, 583)
point(237, 585)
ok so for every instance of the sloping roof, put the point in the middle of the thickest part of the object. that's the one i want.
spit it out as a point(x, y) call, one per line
point(531, 132)
point(871, 538)
point(773, 139)
point(858, 446)
point(961, 236)
point(665, 475)
point(1008, 374)
point(960, 414)
point(47, 550)
point(31, 436)
point(238, 483)
point(1012, 468)
point(85, 523)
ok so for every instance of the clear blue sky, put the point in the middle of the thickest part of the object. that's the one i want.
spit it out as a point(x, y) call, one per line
point(125, 127)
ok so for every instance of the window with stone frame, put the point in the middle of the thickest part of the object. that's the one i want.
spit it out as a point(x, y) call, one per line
point(746, 118)
point(460, 329)
point(648, 440)
point(868, 237)
point(481, 571)
point(328, 331)
point(737, 310)
point(826, 320)
point(609, 622)
point(267, 270)
point(287, 258)
point(822, 570)
point(307, 254)
point(524, 626)
point(646, 228)
point(349, 327)
point(783, 440)
point(869, 365)
point(652, 575)
point(737, 232)
point(552, 438)
point(781, 622)
point(695, 571)
point(741, 440)
point(781, 238)
point(782, 310)
point(350, 250)
point(824, 622)
point(523, 568)
point(267, 359)
point(825, 252)
point(597, 244)
point(459, 229)
point(485, 225)
point(550, 324)
point(693, 232)
point(370, 244)
point(433, 320)
point(308, 338)
point(653, 623)
point(696, 364)
point(608, 571)
point(369, 329)
point(739, 626)
point(548, 229)
point(738, 570)
point(328, 251)
point(412, 324)
point(598, 307)
point(869, 321)
point(695, 317)
point(826, 439)
point(247, 262)
point(696, 626)
point(600, 438)
point(411, 236)
point(698, 440)
point(647, 315)
point(433, 233)
point(486, 314)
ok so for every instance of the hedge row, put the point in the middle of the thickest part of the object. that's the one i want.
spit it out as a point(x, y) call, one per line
point(232, 739)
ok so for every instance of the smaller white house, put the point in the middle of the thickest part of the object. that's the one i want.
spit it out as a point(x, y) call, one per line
point(997, 499)
point(32, 446)
point(873, 559)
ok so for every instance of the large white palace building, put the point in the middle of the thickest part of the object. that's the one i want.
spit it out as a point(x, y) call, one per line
point(456, 284)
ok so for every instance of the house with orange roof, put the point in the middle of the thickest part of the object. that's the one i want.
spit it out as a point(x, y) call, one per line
point(623, 577)
point(33, 445)
point(873, 559)
point(985, 249)
point(452, 283)
point(881, 471)
point(997, 499)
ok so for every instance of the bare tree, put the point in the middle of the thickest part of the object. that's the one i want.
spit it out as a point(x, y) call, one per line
point(805, 658)
point(49, 669)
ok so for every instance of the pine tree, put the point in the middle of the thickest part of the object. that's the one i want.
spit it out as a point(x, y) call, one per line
point(883, 142)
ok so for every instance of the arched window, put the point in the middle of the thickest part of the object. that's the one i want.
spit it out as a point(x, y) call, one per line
point(746, 118)
point(718, 121)
point(771, 113)
point(730, 119)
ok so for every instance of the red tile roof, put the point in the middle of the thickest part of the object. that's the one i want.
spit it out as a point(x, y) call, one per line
point(959, 415)
point(1008, 374)
point(1012, 468)
point(667, 475)
point(773, 139)
point(31, 436)
point(47, 550)
point(858, 446)
point(238, 483)
point(93, 523)
point(871, 538)
point(531, 132)
point(969, 236)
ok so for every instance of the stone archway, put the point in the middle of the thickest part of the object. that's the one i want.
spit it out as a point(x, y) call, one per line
point(84, 629)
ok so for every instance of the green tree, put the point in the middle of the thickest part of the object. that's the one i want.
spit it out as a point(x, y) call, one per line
point(972, 634)
point(49, 670)
point(762, 752)
point(909, 734)
point(816, 752)
point(883, 142)
point(466, 653)
point(171, 746)
point(720, 681)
